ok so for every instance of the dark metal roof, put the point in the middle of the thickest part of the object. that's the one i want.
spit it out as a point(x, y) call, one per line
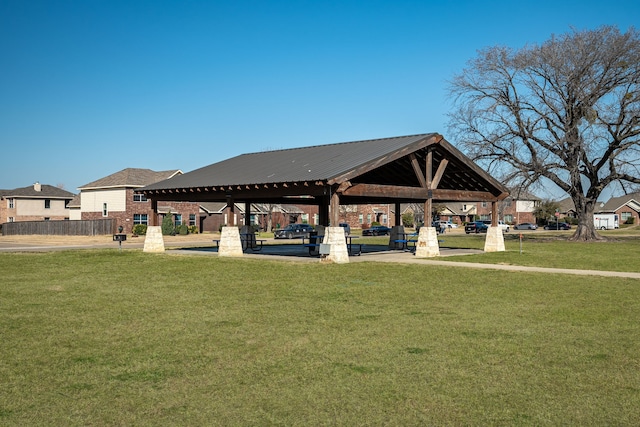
point(316, 163)
point(371, 171)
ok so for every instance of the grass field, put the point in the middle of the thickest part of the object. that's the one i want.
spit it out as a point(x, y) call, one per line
point(102, 337)
point(552, 250)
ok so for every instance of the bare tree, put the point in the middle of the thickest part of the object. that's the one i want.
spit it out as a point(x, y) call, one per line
point(567, 110)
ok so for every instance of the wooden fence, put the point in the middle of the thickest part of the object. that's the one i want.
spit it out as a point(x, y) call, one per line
point(96, 227)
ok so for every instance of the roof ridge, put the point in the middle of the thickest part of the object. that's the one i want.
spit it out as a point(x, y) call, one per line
point(338, 143)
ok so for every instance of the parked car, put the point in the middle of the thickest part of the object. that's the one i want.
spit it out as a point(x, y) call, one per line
point(376, 230)
point(293, 230)
point(471, 228)
point(525, 226)
point(557, 226)
point(446, 224)
point(476, 227)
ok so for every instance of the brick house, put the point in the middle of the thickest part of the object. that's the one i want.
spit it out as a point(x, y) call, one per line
point(362, 216)
point(627, 207)
point(38, 202)
point(517, 208)
point(113, 197)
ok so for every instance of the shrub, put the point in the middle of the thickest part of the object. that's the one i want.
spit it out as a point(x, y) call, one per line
point(193, 229)
point(182, 229)
point(630, 220)
point(375, 223)
point(139, 229)
point(407, 219)
point(167, 225)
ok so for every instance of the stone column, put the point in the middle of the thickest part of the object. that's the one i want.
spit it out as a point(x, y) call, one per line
point(495, 240)
point(153, 241)
point(334, 237)
point(427, 244)
point(230, 244)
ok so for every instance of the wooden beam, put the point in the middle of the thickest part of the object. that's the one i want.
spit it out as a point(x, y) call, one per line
point(494, 214)
point(439, 173)
point(416, 193)
point(418, 170)
point(428, 204)
point(334, 210)
point(342, 187)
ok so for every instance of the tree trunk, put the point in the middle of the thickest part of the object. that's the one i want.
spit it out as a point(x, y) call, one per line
point(586, 230)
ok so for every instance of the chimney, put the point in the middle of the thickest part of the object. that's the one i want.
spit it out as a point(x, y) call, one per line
point(37, 187)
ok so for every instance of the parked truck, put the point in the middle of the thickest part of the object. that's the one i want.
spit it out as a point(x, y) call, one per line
point(606, 221)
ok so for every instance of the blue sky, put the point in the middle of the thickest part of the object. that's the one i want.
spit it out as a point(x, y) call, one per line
point(91, 87)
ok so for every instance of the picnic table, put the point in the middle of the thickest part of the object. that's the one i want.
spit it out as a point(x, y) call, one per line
point(249, 241)
point(406, 239)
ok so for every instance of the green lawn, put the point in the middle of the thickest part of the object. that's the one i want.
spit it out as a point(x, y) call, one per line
point(620, 253)
point(126, 338)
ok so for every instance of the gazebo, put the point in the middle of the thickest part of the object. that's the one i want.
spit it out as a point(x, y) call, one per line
point(421, 168)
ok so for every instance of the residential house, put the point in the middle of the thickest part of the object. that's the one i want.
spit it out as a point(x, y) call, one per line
point(566, 208)
point(37, 202)
point(362, 216)
point(517, 208)
point(214, 215)
point(113, 197)
point(627, 207)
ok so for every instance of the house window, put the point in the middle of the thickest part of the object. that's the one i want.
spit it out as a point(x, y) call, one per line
point(140, 219)
point(10, 203)
point(46, 218)
point(192, 219)
point(66, 203)
point(316, 218)
point(11, 219)
point(139, 198)
point(360, 218)
point(508, 218)
point(305, 218)
point(177, 219)
point(485, 217)
point(105, 212)
point(484, 204)
point(47, 203)
point(624, 216)
point(368, 218)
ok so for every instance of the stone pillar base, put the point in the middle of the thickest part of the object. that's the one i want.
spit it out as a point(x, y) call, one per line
point(153, 241)
point(230, 244)
point(427, 244)
point(495, 240)
point(334, 237)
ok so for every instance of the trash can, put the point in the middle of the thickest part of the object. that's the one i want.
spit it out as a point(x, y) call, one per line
point(314, 243)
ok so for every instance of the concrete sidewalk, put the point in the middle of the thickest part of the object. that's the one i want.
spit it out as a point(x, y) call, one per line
point(404, 257)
